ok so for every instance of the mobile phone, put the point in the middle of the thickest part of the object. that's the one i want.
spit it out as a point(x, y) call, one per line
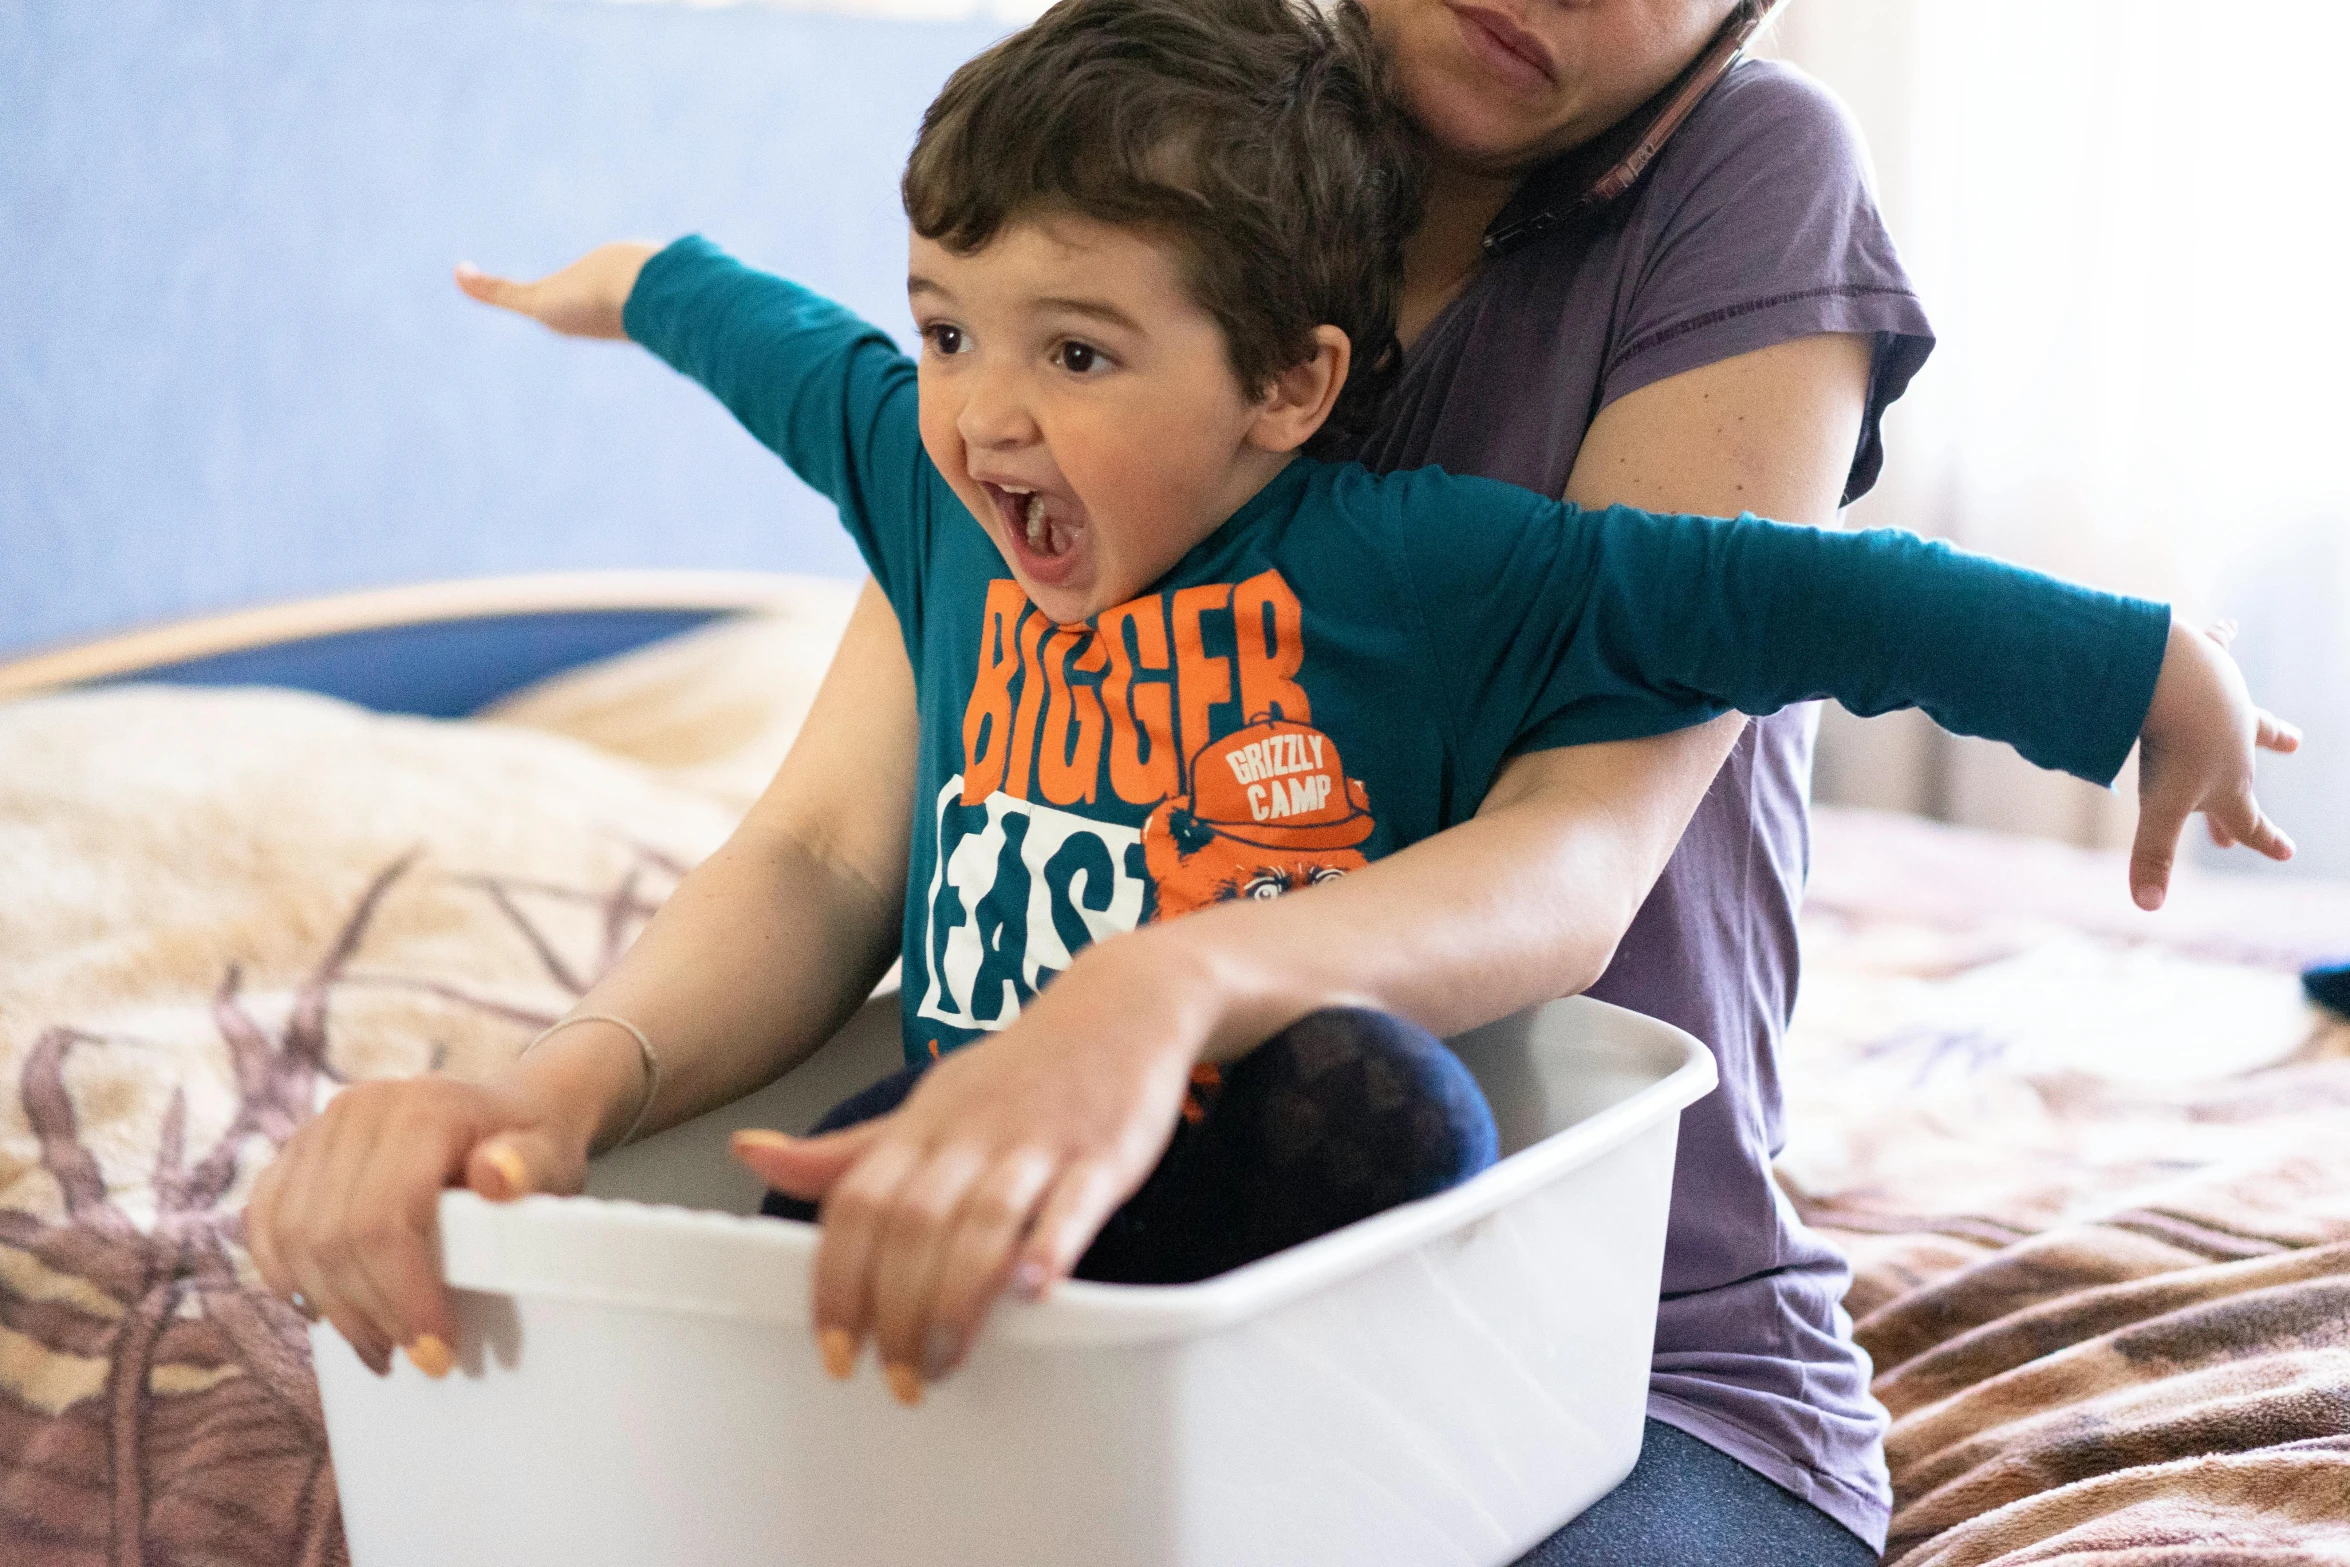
point(1664, 116)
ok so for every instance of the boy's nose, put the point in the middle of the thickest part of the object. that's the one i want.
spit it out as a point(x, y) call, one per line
point(994, 414)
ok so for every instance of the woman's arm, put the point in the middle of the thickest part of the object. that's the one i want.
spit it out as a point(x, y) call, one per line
point(1008, 1158)
point(1771, 432)
point(1013, 1151)
point(757, 957)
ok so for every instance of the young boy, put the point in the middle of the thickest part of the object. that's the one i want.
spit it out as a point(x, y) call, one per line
point(1164, 661)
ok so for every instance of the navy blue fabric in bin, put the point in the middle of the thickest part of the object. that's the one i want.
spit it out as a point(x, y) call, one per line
point(2328, 984)
point(1343, 1114)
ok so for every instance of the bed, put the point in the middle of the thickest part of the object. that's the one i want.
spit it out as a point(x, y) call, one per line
point(2092, 1166)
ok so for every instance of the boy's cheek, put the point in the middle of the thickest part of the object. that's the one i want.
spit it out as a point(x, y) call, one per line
point(944, 444)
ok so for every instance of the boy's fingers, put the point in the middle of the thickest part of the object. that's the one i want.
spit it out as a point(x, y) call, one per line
point(2274, 734)
point(482, 286)
point(2161, 819)
point(2221, 838)
point(2250, 827)
point(804, 1167)
point(524, 299)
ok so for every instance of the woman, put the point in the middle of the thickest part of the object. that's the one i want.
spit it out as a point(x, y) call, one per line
point(1719, 339)
point(1722, 338)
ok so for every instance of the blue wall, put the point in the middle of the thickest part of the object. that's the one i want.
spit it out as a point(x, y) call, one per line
point(233, 368)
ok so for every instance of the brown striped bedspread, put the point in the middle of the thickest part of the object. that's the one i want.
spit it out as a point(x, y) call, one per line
point(2093, 1173)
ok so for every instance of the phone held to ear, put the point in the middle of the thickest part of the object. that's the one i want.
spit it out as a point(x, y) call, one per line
point(1664, 116)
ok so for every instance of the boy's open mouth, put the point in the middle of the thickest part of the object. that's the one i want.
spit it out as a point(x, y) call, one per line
point(1042, 529)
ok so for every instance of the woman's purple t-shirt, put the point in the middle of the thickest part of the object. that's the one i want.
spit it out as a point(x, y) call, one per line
point(1754, 226)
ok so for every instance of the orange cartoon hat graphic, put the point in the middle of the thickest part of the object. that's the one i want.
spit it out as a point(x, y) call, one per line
point(1276, 784)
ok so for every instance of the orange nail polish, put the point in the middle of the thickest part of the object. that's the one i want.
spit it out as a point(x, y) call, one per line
point(430, 1356)
point(839, 1350)
point(905, 1383)
point(503, 1159)
point(762, 1141)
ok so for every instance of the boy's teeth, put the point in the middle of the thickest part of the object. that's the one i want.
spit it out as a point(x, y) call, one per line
point(1036, 523)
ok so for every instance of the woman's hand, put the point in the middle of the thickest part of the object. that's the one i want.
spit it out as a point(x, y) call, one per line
point(2196, 754)
point(346, 1220)
point(585, 299)
point(1001, 1167)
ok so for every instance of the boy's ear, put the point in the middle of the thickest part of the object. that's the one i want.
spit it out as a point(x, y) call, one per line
point(1300, 398)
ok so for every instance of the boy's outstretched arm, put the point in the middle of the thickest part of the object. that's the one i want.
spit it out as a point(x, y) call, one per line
point(1762, 615)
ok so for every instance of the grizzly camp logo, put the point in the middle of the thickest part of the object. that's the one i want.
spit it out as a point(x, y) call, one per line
point(1118, 716)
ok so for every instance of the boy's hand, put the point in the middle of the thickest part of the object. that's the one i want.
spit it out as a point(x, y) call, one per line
point(999, 1169)
point(585, 299)
point(2195, 754)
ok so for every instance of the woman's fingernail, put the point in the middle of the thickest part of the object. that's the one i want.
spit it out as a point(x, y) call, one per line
point(839, 1349)
point(758, 1140)
point(468, 269)
point(938, 1353)
point(430, 1356)
point(1028, 1280)
point(503, 1159)
point(905, 1383)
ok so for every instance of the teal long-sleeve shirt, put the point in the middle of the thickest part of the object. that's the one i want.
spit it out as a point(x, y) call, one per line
point(1342, 667)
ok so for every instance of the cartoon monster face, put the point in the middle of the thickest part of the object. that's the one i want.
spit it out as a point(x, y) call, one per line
point(1271, 811)
point(1225, 870)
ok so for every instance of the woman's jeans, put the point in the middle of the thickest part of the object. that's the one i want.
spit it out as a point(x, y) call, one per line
point(1689, 1505)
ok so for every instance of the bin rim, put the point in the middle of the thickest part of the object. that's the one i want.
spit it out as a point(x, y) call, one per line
point(695, 1262)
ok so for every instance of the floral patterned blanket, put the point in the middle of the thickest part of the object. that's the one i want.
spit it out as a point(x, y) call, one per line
point(2096, 1291)
point(220, 905)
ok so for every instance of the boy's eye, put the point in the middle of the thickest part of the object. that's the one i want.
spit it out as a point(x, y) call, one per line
point(945, 337)
point(1079, 358)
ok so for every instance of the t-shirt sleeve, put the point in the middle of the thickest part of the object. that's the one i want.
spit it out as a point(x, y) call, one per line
point(1562, 626)
point(826, 391)
point(1759, 226)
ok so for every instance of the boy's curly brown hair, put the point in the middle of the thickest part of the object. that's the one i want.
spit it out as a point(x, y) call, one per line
point(1258, 136)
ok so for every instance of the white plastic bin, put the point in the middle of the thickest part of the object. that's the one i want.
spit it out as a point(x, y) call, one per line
point(1444, 1383)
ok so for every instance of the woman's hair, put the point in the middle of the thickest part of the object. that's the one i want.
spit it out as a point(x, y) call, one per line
point(1257, 136)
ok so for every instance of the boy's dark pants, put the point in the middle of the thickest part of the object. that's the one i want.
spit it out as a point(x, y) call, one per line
point(1343, 1114)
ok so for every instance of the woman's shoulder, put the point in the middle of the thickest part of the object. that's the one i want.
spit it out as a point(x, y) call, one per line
point(1771, 111)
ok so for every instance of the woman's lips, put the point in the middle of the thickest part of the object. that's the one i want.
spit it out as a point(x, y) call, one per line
point(1511, 53)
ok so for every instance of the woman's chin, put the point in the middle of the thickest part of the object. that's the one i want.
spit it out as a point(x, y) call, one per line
point(1474, 127)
